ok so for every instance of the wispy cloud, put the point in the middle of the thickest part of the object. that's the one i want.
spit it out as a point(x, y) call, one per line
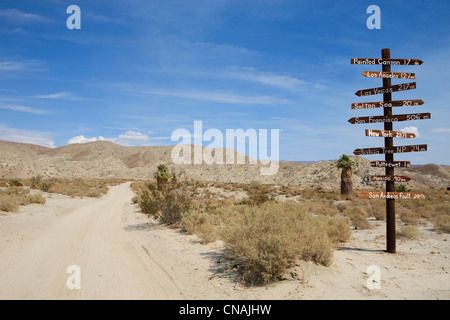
point(23, 109)
point(21, 65)
point(26, 136)
point(267, 78)
point(221, 97)
point(59, 95)
point(19, 17)
point(11, 65)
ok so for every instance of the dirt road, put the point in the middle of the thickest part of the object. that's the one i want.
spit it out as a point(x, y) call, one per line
point(112, 261)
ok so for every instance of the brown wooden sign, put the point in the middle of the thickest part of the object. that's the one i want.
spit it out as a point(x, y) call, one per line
point(390, 178)
point(391, 75)
point(387, 62)
point(389, 134)
point(384, 150)
point(388, 104)
point(392, 195)
point(390, 89)
point(392, 164)
point(396, 118)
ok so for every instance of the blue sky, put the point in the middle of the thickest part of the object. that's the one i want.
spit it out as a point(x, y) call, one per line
point(138, 70)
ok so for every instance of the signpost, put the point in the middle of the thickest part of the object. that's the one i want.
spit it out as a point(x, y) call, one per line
point(387, 61)
point(391, 164)
point(381, 150)
point(392, 75)
point(387, 89)
point(390, 178)
point(390, 118)
point(382, 104)
point(391, 195)
point(388, 133)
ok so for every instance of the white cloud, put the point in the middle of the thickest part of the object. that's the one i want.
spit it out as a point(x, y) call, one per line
point(129, 138)
point(414, 130)
point(83, 139)
point(133, 136)
point(26, 136)
point(23, 109)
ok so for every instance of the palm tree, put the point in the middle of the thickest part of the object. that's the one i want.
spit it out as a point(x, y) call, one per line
point(162, 175)
point(346, 164)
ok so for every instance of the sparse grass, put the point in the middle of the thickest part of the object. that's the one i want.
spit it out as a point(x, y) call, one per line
point(79, 188)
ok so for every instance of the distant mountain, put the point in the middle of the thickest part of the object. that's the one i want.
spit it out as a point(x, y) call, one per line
point(106, 160)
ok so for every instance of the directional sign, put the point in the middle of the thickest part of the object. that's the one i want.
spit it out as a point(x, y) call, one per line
point(381, 90)
point(390, 178)
point(389, 75)
point(389, 104)
point(389, 134)
point(393, 164)
point(391, 195)
point(384, 150)
point(397, 118)
point(387, 62)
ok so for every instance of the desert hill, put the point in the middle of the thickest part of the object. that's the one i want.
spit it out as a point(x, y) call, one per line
point(106, 160)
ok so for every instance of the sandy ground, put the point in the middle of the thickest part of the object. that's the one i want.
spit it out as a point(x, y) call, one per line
point(121, 254)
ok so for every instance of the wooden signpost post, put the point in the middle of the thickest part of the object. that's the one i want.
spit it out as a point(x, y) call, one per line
point(388, 134)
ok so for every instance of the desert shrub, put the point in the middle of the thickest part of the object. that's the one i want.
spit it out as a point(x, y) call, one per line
point(35, 198)
point(409, 232)
point(167, 204)
point(45, 186)
point(78, 188)
point(377, 209)
point(323, 209)
point(9, 204)
point(269, 238)
point(15, 183)
point(200, 223)
point(358, 217)
point(150, 201)
point(14, 197)
point(408, 216)
point(175, 203)
point(35, 181)
point(402, 188)
point(338, 229)
point(441, 218)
